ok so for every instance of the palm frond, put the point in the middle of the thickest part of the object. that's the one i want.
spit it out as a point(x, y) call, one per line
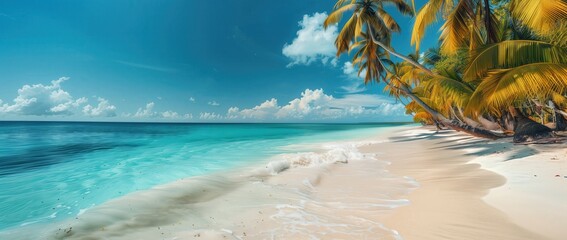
point(337, 14)
point(388, 20)
point(559, 36)
point(425, 17)
point(340, 3)
point(402, 6)
point(510, 54)
point(449, 90)
point(423, 116)
point(377, 24)
point(455, 30)
point(502, 87)
point(431, 56)
point(539, 15)
point(346, 35)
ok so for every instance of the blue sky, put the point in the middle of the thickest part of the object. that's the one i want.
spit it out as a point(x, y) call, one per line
point(183, 61)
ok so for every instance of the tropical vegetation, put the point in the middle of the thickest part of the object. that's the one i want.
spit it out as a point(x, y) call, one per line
point(500, 68)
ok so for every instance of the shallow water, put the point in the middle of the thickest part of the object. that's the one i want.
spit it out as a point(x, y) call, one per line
point(52, 171)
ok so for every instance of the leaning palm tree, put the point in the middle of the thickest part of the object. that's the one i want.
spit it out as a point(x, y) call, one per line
point(509, 65)
point(369, 28)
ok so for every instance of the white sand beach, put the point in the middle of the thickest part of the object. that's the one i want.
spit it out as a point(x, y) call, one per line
point(473, 188)
point(407, 183)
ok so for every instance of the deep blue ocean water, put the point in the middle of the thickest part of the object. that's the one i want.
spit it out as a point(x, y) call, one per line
point(50, 171)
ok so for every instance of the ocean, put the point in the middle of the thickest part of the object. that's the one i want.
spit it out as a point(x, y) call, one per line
point(55, 171)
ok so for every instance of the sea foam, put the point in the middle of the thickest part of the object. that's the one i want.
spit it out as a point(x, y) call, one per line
point(292, 195)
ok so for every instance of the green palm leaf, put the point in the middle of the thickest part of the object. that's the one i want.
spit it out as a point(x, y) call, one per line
point(539, 15)
point(455, 30)
point(449, 90)
point(510, 54)
point(402, 6)
point(502, 87)
point(337, 14)
point(425, 17)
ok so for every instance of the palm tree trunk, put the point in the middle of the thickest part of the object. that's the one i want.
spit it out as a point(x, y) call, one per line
point(527, 130)
point(393, 52)
point(455, 125)
point(488, 123)
point(558, 118)
point(560, 123)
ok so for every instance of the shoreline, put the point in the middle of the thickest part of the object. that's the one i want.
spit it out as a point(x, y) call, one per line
point(476, 188)
point(295, 195)
point(406, 182)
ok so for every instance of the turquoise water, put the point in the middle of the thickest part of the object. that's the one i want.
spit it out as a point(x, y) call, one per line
point(51, 171)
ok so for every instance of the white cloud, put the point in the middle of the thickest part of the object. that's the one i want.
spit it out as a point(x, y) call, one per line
point(316, 105)
point(103, 109)
point(310, 101)
point(210, 116)
point(355, 82)
point(213, 103)
point(313, 42)
point(42, 100)
point(146, 112)
point(192, 99)
point(233, 112)
point(262, 111)
point(170, 115)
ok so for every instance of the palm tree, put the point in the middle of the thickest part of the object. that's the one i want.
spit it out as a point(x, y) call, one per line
point(369, 30)
point(510, 66)
point(527, 66)
point(369, 17)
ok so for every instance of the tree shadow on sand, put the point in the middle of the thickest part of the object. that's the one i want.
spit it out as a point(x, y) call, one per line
point(473, 146)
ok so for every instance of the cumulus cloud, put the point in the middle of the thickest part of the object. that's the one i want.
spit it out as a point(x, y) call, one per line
point(192, 99)
point(146, 112)
point(310, 101)
point(170, 114)
point(355, 81)
point(213, 103)
point(316, 105)
point(52, 100)
point(43, 100)
point(313, 42)
point(103, 109)
point(262, 111)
